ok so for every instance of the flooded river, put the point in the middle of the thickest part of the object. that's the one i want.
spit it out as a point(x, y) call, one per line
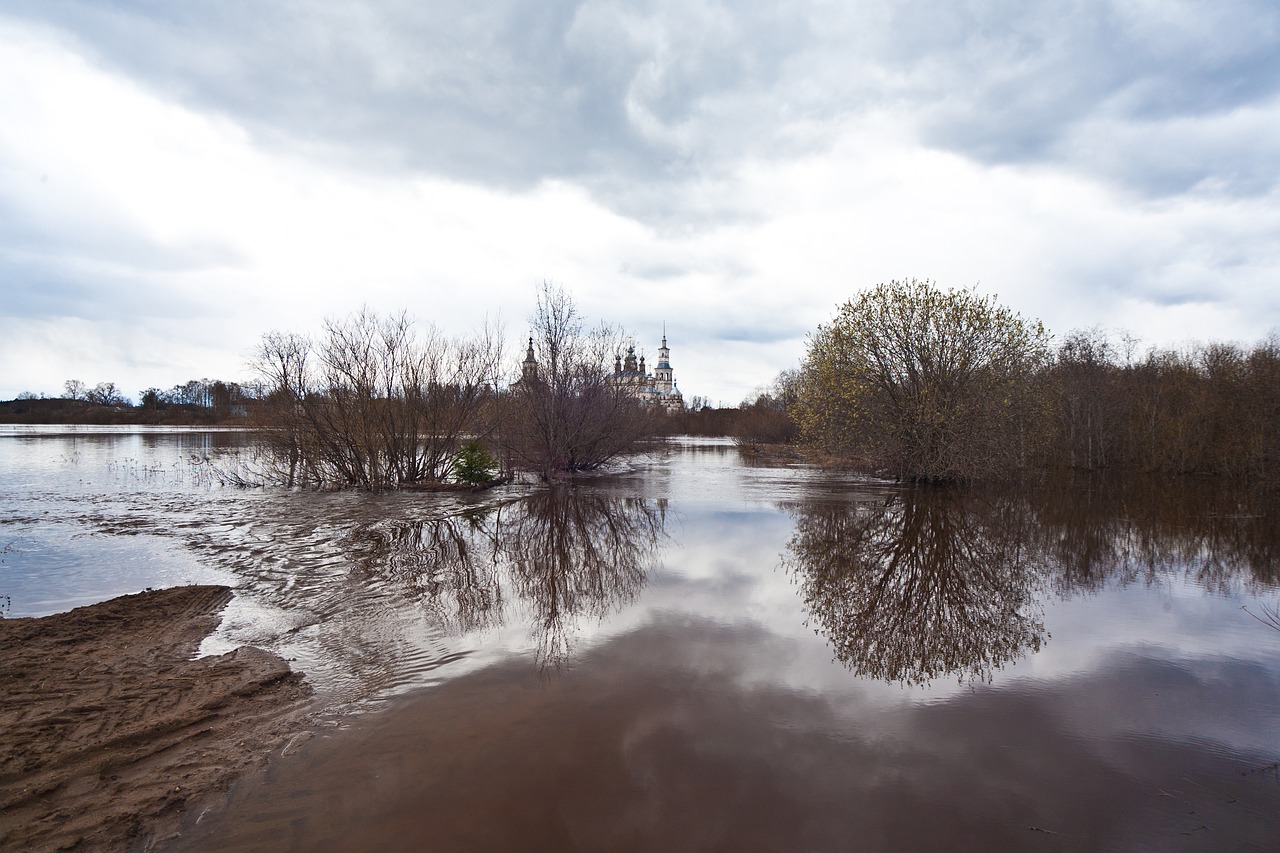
point(702, 654)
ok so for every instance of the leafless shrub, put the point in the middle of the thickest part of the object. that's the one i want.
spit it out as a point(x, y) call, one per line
point(565, 414)
point(371, 405)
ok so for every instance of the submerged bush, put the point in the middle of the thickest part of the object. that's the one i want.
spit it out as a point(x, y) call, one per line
point(372, 405)
point(925, 383)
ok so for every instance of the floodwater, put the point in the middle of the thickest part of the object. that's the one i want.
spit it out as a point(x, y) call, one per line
point(701, 654)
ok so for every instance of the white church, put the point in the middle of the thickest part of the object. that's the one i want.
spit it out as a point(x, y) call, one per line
point(659, 387)
point(629, 374)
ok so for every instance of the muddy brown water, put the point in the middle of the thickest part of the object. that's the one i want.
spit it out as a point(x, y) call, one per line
point(700, 654)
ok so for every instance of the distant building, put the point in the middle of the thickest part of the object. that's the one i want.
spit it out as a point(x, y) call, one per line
point(658, 388)
point(629, 374)
point(529, 367)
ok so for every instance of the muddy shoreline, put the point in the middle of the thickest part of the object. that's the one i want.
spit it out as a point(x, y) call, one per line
point(113, 736)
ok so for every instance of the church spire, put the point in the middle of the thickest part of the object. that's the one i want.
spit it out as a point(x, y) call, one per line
point(663, 375)
point(530, 363)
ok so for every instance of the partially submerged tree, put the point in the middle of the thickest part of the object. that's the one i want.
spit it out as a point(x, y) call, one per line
point(475, 466)
point(373, 405)
point(1204, 408)
point(566, 414)
point(766, 416)
point(924, 383)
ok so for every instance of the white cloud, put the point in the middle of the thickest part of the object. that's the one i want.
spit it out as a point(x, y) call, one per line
point(148, 240)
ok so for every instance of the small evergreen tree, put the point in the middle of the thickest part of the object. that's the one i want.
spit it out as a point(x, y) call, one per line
point(475, 465)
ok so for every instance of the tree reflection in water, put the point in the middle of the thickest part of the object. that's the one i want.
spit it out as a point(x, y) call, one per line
point(923, 584)
point(565, 553)
point(1102, 530)
point(579, 554)
point(935, 581)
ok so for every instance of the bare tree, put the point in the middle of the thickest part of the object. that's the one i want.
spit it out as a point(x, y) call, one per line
point(1090, 403)
point(371, 405)
point(566, 414)
point(106, 394)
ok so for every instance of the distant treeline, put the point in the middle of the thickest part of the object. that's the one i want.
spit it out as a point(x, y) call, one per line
point(196, 402)
point(708, 422)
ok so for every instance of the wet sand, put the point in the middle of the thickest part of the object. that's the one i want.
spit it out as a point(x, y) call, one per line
point(113, 736)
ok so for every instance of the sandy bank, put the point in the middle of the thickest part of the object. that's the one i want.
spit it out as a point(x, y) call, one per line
point(110, 735)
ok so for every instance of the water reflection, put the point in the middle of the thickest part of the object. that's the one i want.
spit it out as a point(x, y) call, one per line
point(370, 596)
point(921, 584)
point(564, 554)
point(1100, 530)
point(916, 584)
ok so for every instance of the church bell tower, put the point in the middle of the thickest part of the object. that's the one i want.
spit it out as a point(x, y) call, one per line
point(663, 375)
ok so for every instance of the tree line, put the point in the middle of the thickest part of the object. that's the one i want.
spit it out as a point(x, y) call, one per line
point(197, 401)
point(1211, 408)
point(908, 380)
point(921, 383)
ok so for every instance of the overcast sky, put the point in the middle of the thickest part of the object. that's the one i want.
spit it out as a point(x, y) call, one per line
point(177, 179)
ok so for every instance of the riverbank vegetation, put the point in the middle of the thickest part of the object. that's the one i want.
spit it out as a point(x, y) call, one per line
point(1208, 409)
point(566, 414)
point(920, 383)
point(373, 404)
point(908, 380)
